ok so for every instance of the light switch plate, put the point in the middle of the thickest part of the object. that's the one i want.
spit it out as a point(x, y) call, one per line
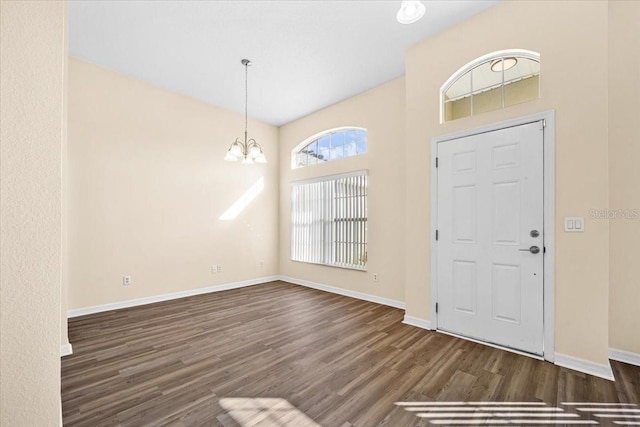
point(574, 224)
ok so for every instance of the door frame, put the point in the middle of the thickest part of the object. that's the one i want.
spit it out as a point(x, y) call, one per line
point(548, 119)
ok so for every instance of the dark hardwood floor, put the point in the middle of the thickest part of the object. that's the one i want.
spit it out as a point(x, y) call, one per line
point(283, 355)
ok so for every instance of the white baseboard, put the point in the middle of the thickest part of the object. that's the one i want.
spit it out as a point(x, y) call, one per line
point(165, 297)
point(581, 365)
point(416, 321)
point(344, 292)
point(66, 350)
point(624, 356)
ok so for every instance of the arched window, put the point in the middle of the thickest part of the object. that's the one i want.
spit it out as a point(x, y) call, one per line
point(491, 82)
point(333, 144)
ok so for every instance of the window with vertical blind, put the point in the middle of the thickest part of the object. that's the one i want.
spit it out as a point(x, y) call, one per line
point(329, 220)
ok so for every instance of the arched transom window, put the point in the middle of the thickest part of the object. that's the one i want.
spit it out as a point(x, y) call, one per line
point(491, 82)
point(333, 144)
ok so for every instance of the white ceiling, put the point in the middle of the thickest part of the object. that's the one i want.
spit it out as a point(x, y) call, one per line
point(306, 54)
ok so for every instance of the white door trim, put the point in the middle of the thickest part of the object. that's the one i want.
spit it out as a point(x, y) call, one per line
point(549, 208)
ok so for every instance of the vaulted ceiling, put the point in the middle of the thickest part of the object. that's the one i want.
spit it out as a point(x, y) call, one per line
point(306, 54)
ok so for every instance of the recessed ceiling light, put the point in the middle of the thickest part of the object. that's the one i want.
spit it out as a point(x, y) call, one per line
point(500, 64)
point(410, 11)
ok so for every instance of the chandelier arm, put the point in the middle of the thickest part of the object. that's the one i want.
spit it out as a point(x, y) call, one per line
point(236, 142)
point(243, 150)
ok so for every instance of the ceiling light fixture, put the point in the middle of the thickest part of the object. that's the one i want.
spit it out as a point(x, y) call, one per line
point(249, 151)
point(410, 11)
point(503, 64)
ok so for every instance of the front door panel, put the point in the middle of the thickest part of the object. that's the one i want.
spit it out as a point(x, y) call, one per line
point(490, 213)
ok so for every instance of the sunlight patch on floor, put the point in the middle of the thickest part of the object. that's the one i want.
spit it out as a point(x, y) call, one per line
point(265, 412)
point(523, 413)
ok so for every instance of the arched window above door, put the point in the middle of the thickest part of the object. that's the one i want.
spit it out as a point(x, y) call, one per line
point(491, 82)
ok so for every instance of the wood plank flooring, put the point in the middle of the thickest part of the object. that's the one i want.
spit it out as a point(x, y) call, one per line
point(283, 355)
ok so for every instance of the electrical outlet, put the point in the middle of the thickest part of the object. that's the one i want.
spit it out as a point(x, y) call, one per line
point(214, 269)
point(375, 277)
point(126, 280)
point(261, 264)
point(219, 269)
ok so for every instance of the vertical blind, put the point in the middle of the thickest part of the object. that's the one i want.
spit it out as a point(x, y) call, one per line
point(329, 221)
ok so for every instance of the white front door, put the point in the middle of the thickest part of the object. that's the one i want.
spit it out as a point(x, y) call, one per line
point(490, 226)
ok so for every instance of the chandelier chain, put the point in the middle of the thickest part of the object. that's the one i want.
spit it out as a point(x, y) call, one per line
point(246, 97)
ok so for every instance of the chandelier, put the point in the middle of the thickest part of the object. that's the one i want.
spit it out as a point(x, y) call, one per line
point(248, 151)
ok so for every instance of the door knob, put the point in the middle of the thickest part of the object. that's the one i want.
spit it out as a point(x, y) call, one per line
point(532, 249)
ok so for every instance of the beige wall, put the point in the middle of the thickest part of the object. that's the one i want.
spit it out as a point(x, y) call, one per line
point(381, 112)
point(624, 173)
point(578, 93)
point(64, 161)
point(31, 112)
point(147, 186)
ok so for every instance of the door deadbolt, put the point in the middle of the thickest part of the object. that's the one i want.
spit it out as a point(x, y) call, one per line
point(534, 233)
